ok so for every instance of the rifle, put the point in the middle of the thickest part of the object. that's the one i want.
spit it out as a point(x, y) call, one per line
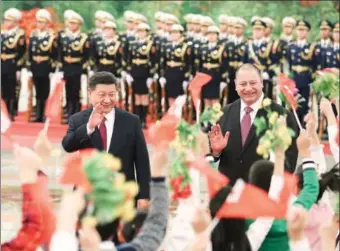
point(130, 98)
point(163, 101)
point(151, 108)
point(121, 94)
point(186, 106)
point(225, 97)
point(190, 108)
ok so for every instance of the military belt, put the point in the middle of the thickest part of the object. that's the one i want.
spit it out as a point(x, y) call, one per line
point(5, 57)
point(300, 68)
point(105, 61)
point(235, 64)
point(71, 60)
point(174, 64)
point(210, 66)
point(39, 59)
point(139, 61)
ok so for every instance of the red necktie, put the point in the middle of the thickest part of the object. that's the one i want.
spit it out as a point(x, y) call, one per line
point(103, 133)
point(246, 124)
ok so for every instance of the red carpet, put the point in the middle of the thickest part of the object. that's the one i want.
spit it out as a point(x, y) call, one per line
point(25, 134)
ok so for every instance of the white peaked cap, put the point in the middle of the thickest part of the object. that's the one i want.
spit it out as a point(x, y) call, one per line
point(43, 15)
point(13, 14)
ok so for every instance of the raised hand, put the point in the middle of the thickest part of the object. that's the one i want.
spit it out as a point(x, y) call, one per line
point(96, 117)
point(217, 141)
point(303, 144)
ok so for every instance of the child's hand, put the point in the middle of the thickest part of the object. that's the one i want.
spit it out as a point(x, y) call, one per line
point(28, 162)
point(303, 144)
point(296, 222)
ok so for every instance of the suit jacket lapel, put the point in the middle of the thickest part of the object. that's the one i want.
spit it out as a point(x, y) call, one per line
point(96, 141)
point(252, 132)
point(118, 128)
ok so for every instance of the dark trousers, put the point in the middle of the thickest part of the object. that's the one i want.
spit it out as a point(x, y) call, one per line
point(8, 92)
point(42, 90)
point(303, 106)
point(72, 87)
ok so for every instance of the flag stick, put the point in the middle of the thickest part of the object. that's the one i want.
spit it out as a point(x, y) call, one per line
point(46, 124)
point(198, 105)
point(297, 119)
point(212, 225)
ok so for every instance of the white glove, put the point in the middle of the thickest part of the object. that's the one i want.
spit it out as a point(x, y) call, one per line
point(30, 74)
point(185, 85)
point(129, 79)
point(162, 82)
point(155, 77)
point(18, 75)
point(191, 77)
point(222, 86)
point(123, 74)
point(91, 73)
point(265, 75)
point(149, 82)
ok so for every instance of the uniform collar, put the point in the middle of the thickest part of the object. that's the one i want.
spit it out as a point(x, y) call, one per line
point(301, 42)
point(11, 31)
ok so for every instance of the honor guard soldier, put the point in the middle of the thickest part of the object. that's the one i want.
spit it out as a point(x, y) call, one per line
point(13, 48)
point(190, 27)
point(141, 67)
point(300, 58)
point(128, 36)
point(97, 34)
point(42, 58)
point(223, 21)
point(75, 53)
point(324, 45)
point(235, 52)
point(206, 22)
point(108, 50)
point(176, 65)
point(63, 32)
point(271, 66)
point(333, 56)
point(257, 52)
point(230, 31)
point(212, 61)
point(279, 50)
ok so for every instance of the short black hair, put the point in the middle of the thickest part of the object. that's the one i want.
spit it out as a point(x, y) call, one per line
point(260, 174)
point(249, 66)
point(103, 78)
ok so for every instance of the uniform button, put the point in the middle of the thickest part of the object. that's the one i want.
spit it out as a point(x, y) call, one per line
point(241, 161)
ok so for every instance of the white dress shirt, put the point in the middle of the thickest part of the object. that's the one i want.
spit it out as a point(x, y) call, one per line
point(301, 43)
point(109, 123)
point(256, 106)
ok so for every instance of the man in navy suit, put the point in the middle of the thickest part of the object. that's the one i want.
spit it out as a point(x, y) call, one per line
point(110, 129)
point(234, 141)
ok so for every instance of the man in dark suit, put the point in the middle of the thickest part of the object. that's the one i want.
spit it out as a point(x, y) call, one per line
point(110, 129)
point(236, 150)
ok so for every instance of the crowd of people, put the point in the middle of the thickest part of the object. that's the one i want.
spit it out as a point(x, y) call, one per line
point(155, 67)
point(310, 221)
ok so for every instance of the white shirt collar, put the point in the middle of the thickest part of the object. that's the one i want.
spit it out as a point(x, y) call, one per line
point(255, 106)
point(111, 115)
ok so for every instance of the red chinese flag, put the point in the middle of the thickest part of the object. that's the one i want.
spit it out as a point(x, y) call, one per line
point(309, 3)
point(5, 119)
point(249, 202)
point(163, 132)
point(53, 102)
point(215, 179)
point(73, 173)
point(196, 84)
point(289, 90)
